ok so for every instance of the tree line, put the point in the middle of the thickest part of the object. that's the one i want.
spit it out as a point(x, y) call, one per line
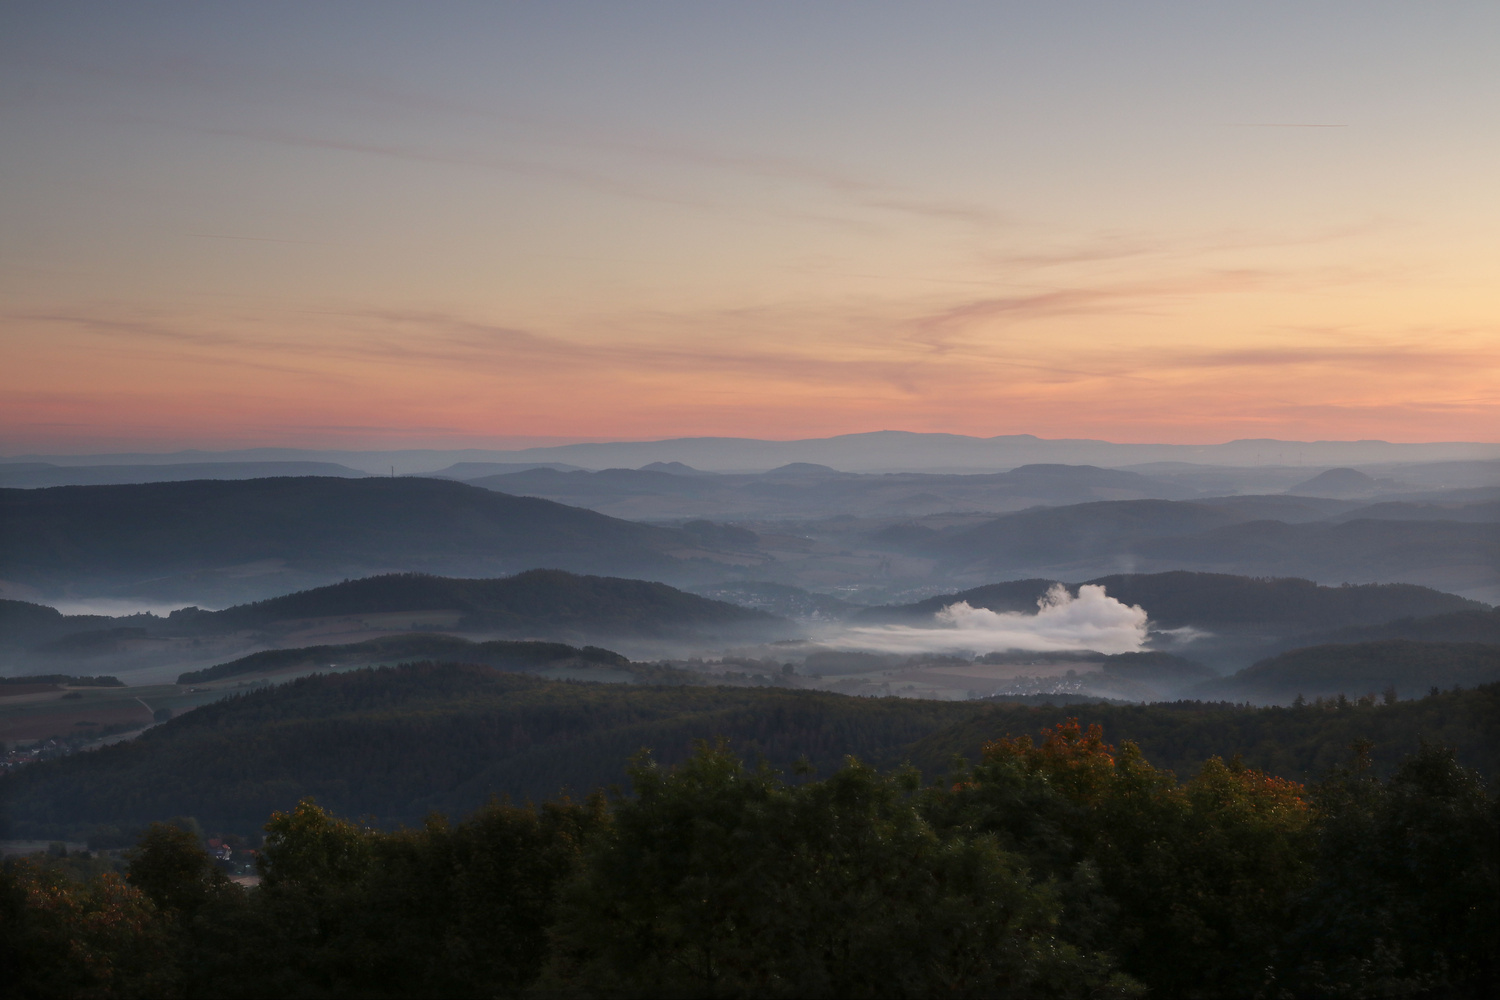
point(1052, 867)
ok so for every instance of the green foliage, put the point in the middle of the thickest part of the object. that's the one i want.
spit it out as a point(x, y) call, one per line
point(170, 866)
point(1407, 895)
point(450, 911)
point(1186, 882)
point(1054, 867)
point(1294, 742)
point(716, 880)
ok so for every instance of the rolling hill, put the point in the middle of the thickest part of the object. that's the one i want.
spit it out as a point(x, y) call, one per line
point(1407, 667)
point(536, 601)
point(221, 541)
point(516, 656)
point(1455, 626)
point(396, 743)
point(1454, 549)
point(537, 604)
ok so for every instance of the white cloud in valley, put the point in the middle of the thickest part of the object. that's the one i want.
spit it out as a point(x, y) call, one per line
point(1092, 620)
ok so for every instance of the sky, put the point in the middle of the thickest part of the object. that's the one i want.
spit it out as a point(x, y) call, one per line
point(466, 225)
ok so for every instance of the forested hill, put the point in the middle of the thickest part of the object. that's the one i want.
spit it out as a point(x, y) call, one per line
point(1456, 626)
point(207, 540)
point(501, 654)
point(1220, 600)
point(1087, 539)
point(1012, 595)
point(1402, 666)
point(395, 743)
point(519, 656)
point(1299, 743)
point(541, 601)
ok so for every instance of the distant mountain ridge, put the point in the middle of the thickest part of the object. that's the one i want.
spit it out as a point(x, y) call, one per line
point(875, 451)
point(38, 475)
point(802, 489)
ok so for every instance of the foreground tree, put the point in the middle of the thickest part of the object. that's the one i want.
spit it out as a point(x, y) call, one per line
point(171, 867)
point(1407, 895)
point(1187, 884)
point(1057, 867)
point(718, 880)
point(440, 911)
point(60, 939)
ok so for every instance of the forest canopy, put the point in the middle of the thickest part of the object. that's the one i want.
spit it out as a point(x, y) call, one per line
point(1057, 865)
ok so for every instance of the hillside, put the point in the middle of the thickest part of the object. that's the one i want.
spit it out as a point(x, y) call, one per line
point(1224, 601)
point(537, 604)
point(500, 654)
point(396, 743)
point(1356, 669)
point(544, 601)
point(1012, 595)
point(1298, 743)
point(1453, 549)
point(1354, 550)
point(24, 624)
point(211, 540)
point(1079, 532)
point(1455, 626)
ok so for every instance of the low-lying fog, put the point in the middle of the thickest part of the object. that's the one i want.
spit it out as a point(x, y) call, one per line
point(1092, 620)
point(121, 607)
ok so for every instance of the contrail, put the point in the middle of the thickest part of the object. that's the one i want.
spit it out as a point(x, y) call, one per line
point(1284, 125)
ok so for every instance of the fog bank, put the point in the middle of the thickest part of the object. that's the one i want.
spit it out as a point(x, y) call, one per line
point(1092, 620)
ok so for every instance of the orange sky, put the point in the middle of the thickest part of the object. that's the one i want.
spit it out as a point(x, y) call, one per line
point(231, 228)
